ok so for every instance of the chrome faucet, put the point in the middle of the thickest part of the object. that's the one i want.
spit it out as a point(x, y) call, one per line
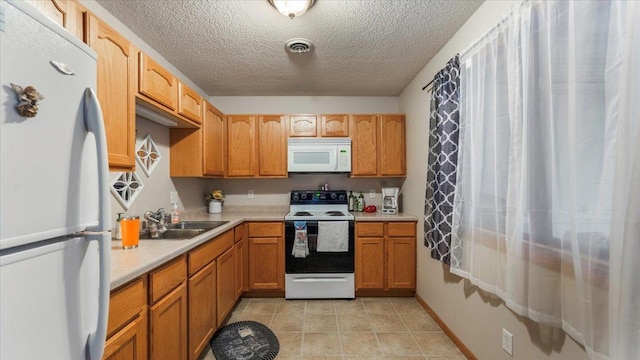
point(158, 220)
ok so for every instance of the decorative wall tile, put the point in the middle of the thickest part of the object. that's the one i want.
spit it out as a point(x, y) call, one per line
point(126, 186)
point(148, 155)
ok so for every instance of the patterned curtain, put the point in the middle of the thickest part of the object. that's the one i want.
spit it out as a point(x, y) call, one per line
point(442, 162)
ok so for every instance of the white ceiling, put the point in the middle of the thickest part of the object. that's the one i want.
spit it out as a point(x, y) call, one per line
point(236, 47)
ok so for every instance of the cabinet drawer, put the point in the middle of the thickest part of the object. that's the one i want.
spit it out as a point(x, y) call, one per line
point(238, 233)
point(401, 229)
point(207, 252)
point(370, 229)
point(126, 303)
point(167, 278)
point(265, 229)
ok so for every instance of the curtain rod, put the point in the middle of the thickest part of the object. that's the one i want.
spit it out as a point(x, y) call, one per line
point(424, 87)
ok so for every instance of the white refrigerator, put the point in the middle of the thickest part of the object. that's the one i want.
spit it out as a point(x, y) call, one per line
point(54, 216)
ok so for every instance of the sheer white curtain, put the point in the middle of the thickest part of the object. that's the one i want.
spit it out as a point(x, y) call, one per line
point(547, 206)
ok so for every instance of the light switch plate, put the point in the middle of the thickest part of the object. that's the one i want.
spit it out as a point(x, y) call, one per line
point(173, 195)
point(250, 194)
point(372, 193)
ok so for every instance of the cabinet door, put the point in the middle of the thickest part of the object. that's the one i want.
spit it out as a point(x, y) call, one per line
point(240, 146)
point(202, 309)
point(117, 75)
point(213, 136)
point(189, 103)
point(370, 263)
point(169, 326)
point(226, 268)
point(266, 263)
point(392, 146)
point(402, 263)
point(364, 145)
point(65, 13)
point(272, 146)
point(156, 83)
point(334, 125)
point(303, 125)
point(242, 267)
point(130, 343)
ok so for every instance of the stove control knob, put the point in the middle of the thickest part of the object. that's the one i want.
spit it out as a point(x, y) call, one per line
point(342, 197)
point(303, 196)
point(334, 196)
point(295, 196)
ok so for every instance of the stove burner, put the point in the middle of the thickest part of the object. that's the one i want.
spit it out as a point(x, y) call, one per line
point(302, 213)
point(334, 213)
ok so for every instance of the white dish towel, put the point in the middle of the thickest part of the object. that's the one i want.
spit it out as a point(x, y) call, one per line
point(333, 236)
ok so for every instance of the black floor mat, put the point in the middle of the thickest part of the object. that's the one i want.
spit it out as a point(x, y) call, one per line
point(245, 340)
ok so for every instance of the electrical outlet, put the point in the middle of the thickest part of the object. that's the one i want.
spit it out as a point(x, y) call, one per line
point(507, 342)
point(372, 193)
point(173, 195)
point(250, 194)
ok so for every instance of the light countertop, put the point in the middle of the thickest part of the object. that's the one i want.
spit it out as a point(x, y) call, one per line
point(126, 265)
point(378, 216)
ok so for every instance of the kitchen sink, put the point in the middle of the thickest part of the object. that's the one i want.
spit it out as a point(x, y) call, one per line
point(184, 230)
point(206, 225)
point(182, 234)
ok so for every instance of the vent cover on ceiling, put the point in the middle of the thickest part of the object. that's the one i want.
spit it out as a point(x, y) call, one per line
point(299, 46)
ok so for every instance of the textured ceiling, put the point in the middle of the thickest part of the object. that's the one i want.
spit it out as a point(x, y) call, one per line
point(236, 47)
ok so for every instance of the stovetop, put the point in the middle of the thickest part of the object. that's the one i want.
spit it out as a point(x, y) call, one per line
point(319, 205)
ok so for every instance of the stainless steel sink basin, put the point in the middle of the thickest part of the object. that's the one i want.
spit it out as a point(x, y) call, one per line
point(182, 234)
point(185, 230)
point(206, 225)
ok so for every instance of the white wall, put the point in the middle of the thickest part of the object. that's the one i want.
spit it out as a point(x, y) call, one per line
point(155, 193)
point(475, 317)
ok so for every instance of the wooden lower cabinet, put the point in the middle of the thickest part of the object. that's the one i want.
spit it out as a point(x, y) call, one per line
point(202, 309)
point(266, 255)
point(226, 286)
point(401, 254)
point(266, 264)
point(168, 339)
point(130, 343)
point(386, 255)
point(127, 334)
point(370, 263)
point(242, 257)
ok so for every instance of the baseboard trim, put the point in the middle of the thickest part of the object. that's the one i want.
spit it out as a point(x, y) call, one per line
point(465, 350)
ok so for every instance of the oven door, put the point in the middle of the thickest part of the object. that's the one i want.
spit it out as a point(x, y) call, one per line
point(317, 262)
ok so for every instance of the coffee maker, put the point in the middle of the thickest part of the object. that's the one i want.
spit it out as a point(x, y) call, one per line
point(390, 200)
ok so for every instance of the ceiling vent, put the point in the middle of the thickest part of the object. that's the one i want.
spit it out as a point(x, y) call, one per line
point(299, 46)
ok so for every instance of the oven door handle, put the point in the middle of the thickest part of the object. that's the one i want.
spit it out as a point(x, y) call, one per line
point(322, 279)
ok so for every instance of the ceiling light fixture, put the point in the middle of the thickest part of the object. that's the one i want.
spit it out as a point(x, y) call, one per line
point(292, 8)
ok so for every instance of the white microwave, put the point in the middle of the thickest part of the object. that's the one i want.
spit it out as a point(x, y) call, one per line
point(308, 155)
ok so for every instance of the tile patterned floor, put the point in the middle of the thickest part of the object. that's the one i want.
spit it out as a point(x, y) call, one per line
point(364, 328)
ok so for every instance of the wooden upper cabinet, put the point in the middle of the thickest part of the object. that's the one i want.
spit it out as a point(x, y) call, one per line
point(392, 145)
point(67, 13)
point(214, 144)
point(272, 145)
point(364, 145)
point(189, 103)
point(156, 83)
point(334, 125)
point(303, 125)
point(199, 152)
point(117, 74)
point(240, 145)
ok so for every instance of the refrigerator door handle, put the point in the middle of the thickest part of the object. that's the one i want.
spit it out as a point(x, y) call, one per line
point(94, 123)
